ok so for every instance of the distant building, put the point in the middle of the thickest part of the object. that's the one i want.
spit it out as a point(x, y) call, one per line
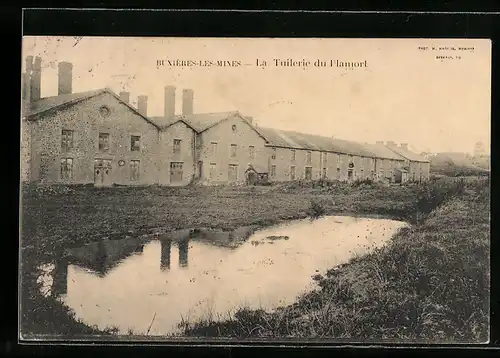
point(98, 137)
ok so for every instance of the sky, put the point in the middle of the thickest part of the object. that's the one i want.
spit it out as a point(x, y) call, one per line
point(404, 94)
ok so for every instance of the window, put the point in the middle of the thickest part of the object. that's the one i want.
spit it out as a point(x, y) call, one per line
point(350, 173)
point(273, 171)
point(308, 157)
point(292, 172)
point(308, 173)
point(233, 127)
point(104, 142)
point(213, 171)
point(134, 170)
point(232, 173)
point(361, 173)
point(177, 146)
point(338, 173)
point(251, 152)
point(135, 143)
point(293, 155)
point(234, 148)
point(273, 153)
point(214, 148)
point(324, 173)
point(66, 168)
point(66, 140)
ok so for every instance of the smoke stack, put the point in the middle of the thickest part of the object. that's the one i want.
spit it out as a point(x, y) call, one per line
point(187, 101)
point(169, 110)
point(125, 96)
point(36, 79)
point(381, 142)
point(142, 105)
point(404, 146)
point(65, 78)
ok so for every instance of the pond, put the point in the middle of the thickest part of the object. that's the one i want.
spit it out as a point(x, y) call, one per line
point(136, 285)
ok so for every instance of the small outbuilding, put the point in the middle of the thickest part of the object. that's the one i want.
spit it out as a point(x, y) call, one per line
point(256, 177)
point(400, 175)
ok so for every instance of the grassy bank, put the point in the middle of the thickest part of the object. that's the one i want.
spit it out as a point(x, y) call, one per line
point(55, 218)
point(430, 283)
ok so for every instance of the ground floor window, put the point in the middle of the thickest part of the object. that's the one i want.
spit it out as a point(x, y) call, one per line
point(308, 173)
point(292, 172)
point(338, 173)
point(232, 172)
point(350, 174)
point(212, 173)
point(66, 168)
point(324, 173)
point(273, 171)
point(134, 170)
point(176, 171)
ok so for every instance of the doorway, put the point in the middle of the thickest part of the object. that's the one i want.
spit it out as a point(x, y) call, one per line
point(102, 172)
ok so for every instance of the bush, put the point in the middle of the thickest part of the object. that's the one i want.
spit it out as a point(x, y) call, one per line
point(316, 209)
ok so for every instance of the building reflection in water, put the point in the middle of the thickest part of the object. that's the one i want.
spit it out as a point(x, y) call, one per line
point(183, 252)
point(166, 246)
point(60, 277)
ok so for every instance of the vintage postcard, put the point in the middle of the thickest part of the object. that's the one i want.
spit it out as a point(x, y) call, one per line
point(255, 189)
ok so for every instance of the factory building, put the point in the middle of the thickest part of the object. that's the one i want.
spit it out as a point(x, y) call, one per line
point(97, 137)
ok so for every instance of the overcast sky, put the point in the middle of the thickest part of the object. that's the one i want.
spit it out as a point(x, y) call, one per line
point(405, 94)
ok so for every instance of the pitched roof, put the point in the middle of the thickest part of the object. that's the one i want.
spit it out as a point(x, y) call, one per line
point(407, 154)
point(61, 101)
point(296, 140)
point(381, 151)
point(203, 121)
point(48, 103)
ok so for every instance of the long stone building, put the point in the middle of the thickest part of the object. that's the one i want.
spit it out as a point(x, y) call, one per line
point(98, 137)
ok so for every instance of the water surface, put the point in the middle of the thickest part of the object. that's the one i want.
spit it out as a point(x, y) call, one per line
point(125, 283)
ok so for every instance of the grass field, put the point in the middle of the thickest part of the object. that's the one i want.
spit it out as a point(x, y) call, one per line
point(55, 218)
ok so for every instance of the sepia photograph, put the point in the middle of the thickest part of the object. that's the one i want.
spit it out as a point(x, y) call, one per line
point(255, 190)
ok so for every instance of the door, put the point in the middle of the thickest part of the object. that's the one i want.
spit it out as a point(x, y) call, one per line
point(308, 173)
point(200, 169)
point(350, 174)
point(176, 172)
point(102, 172)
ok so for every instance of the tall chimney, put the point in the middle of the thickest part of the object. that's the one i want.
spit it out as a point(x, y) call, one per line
point(169, 110)
point(142, 105)
point(36, 79)
point(404, 146)
point(65, 78)
point(187, 101)
point(125, 96)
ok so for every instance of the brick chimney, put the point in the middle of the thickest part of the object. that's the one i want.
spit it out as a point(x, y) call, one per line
point(169, 110)
point(142, 105)
point(65, 85)
point(125, 96)
point(404, 146)
point(36, 79)
point(187, 101)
